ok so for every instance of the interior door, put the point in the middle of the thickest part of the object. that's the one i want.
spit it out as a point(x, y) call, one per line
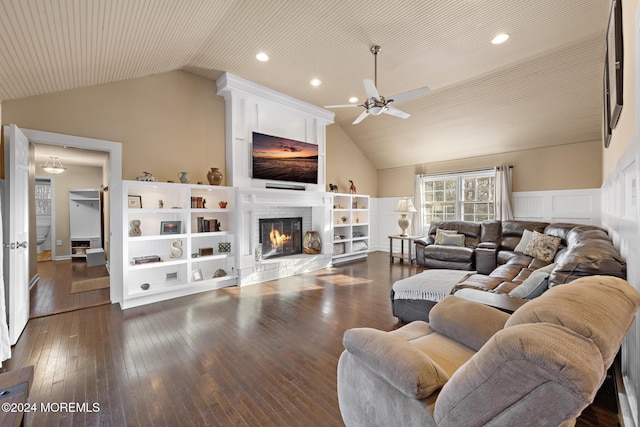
point(16, 231)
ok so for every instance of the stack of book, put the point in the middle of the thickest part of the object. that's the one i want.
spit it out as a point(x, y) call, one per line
point(206, 225)
point(198, 202)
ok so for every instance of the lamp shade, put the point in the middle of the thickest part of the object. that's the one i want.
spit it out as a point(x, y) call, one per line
point(405, 205)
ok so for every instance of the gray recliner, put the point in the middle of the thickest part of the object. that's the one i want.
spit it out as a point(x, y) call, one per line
point(474, 365)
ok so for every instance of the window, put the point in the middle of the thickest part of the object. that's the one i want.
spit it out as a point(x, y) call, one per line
point(466, 196)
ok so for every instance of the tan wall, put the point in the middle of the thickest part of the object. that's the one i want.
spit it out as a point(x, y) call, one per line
point(624, 132)
point(570, 166)
point(74, 178)
point(166, 123)
point(346, 162)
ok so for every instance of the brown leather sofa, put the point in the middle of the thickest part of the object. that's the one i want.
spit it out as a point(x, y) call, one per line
point(584, 250)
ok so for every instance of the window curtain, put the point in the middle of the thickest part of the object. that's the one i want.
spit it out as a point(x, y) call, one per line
point(5, 344)
point(417, 224)
point(503, 205)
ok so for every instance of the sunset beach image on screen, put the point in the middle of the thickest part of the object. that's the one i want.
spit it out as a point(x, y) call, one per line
point(283, 159)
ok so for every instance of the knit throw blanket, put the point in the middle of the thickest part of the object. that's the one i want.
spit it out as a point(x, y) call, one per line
point(432, 285)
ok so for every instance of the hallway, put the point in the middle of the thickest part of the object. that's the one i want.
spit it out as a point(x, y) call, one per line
point(52, 293)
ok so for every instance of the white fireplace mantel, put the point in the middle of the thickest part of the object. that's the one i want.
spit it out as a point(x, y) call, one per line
point(250, 107)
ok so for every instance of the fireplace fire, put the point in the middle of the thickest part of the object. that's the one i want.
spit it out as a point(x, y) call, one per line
point(280, 236)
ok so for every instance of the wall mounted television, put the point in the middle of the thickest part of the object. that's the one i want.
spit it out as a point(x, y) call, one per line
point(282, 159)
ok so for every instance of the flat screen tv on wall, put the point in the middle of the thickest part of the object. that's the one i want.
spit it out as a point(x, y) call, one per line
point(283, 159)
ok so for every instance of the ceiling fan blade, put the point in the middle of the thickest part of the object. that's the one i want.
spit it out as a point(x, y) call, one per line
point(401, 97)
point(361, 117)
point(342, 106)
point(370, 88)
point(395, 112)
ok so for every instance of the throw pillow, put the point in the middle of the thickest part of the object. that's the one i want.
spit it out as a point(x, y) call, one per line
point(440, 232)
point(524, 241)
point(542, 246)
point(453, 239)
point(534, 285)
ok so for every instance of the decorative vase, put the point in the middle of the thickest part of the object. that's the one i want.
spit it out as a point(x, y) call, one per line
point(184, 177)
point(312, 243)
point(214, 176)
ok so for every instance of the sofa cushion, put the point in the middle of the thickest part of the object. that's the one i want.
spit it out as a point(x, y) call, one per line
point(534, 285)
point(524, 241)
point(440, 233)
point(579, 306)
point(396, 360)
point(479, 323)
point(542, 246)
point(512, 232)
point(540, 374)
point(452, 240)
point(449, 253)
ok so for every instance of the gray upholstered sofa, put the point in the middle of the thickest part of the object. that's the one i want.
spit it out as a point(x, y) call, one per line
point(474, 365)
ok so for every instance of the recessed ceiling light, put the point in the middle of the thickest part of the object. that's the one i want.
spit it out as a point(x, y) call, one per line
point(353, 99)
point(262, 57)
point(500, 38)
point(315, 82)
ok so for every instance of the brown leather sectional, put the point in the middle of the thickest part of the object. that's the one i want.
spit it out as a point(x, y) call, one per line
point(584, 250)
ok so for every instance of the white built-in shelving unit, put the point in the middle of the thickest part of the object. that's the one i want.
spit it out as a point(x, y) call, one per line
point(189, 257)
point(85, 224)
point(350, 222)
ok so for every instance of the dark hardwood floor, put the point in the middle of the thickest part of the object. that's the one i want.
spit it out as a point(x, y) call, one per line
point(52, 293)
point(260, 355)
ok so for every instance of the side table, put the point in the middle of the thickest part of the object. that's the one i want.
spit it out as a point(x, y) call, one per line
point(409, 256)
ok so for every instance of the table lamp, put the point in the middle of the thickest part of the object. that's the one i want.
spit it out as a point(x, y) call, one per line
point(404, 206)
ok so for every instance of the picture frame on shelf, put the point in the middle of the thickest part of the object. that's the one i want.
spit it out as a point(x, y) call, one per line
point(135, 202)
point(196, 275)
point(615, 60)
point(170, 227)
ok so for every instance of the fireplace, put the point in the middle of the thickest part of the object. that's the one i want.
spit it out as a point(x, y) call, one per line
point(280, 236)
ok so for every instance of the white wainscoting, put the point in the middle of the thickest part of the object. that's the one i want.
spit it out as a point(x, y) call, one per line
point(621, 218)
point(575, 206)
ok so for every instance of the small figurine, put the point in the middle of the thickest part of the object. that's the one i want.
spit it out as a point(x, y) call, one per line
point(146, 176)
point(352, 187)
point(160, 204)
point(134, 230)
point(333, 188)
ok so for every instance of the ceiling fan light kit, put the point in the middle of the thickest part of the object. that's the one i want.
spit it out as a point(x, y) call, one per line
point(377, 104)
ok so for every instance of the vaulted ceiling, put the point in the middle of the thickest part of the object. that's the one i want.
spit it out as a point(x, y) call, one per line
point(540, 88)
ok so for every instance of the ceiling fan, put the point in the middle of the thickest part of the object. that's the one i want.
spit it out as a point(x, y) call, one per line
point(377, 104)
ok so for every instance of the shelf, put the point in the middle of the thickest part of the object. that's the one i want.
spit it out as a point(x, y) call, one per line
point(211, 233)
point(157, 237)
point(156, 210)
point(175, 286)
point(157, 264)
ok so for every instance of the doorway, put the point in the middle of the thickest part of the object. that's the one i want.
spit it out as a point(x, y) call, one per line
point(112, 209)
point(68, 208)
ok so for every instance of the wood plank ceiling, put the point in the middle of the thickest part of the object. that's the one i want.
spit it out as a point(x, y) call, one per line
point(540, 88)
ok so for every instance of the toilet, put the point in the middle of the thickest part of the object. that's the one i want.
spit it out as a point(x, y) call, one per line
point(42, 232)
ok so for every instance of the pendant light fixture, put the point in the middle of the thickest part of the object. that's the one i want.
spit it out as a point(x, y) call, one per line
point(53, 166)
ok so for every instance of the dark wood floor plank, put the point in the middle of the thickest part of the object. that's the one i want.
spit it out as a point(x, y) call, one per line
point(52, 293)
point(263, 355)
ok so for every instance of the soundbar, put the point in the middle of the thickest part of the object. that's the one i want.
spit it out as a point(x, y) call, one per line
point(280, 186)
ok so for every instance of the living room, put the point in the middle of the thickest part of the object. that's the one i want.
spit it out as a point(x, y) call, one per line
point(172, 120)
